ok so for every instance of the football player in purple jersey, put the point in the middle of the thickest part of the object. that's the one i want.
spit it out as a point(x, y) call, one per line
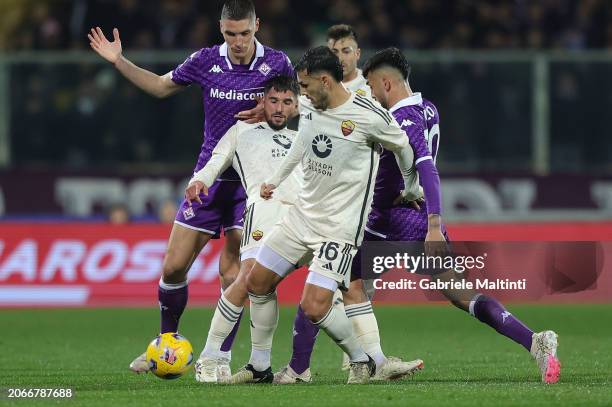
point(232, 77)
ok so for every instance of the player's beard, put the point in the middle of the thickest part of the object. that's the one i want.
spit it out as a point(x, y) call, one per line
point(275, 126)
point(322, 102)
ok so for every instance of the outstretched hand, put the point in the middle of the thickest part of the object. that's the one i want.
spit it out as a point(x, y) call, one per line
point(111, 51)
point(192, 192)
point(253, 115)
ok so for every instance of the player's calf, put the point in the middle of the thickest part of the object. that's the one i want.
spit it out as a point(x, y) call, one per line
point(229, 261)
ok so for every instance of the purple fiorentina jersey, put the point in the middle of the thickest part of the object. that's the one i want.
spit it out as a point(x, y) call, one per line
point(228, 89)
point(402, 223)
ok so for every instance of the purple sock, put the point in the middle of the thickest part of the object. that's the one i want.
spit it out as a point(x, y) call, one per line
point(304, 336)
point(492, 313)
point(171, 304)
point(226, 346)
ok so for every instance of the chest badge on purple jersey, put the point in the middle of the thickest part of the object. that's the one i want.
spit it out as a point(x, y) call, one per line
point(264, 69)
point(347, 127)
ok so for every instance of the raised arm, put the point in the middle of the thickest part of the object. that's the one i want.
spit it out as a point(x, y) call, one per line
point(155, 85)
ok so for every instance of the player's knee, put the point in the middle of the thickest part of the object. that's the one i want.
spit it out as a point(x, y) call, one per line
point(314, 309)
point(173, 270)
point(257, 286)
point(355, 293)
point(228, 279)
point(231, 248)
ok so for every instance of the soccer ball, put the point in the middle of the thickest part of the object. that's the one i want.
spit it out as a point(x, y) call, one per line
point(170, 355)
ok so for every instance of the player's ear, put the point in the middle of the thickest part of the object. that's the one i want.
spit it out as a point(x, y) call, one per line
point(221, 26)
point(358, 53)
point(387, 84)
point(325, 81)
point(256, 25)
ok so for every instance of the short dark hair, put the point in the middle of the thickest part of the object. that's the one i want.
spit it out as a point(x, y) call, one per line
point(388, 57)
point(339, 31)
point(238, 10)
point(282, 83)
point(321, 59)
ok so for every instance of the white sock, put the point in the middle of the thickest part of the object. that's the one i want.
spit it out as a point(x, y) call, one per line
point(338, 302)
point(260, 359)
point(226, 355)
point(337, 326)
point(223, 321)
point(264, 319)
point(366, 330)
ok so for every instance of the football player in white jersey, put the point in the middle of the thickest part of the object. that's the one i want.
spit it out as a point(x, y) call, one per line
point(337, 148)
point(342, 40)
point(255, 151)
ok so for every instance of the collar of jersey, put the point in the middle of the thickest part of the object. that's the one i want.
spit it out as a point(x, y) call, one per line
point(359, 77)
point(415, 99)
point(349, 101)
point(259, 52)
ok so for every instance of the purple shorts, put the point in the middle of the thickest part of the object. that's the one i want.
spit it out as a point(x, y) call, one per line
point(222, 209)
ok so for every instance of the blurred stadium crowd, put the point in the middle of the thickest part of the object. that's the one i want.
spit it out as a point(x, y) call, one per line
point(420, 24)
point(84, 115)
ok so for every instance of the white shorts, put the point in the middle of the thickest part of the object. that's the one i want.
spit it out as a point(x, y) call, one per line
point(259, 218)
point(295, 242)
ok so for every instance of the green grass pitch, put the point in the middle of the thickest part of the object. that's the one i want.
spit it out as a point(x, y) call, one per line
point(466, 362)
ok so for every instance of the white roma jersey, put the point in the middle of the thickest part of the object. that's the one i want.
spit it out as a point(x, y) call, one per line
point(338, 151)
point(359, 85)
point(255, 151)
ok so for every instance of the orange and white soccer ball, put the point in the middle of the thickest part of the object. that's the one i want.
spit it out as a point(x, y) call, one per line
point(169, 355)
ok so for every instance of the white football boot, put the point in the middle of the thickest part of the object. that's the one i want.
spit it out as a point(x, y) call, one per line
point(140, 364)
point(346, 361)
point(360, 372)
point(544, 351)
point(206, 370)
point(288, 376)
point(224, 371)
point(394, 368)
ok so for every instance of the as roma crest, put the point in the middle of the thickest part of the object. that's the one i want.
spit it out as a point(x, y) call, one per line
point(257, 235)
point(347, 127)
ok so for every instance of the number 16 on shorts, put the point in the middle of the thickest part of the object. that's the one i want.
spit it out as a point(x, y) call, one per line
point(334, 260)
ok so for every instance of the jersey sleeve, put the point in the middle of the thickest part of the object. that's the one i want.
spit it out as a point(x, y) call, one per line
point(428, 173)
point(386, 131)
point(288, 68)
point(416, 136)
point(190, 71)
point(393, 138)
point(291, 160)
point(221, 159)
